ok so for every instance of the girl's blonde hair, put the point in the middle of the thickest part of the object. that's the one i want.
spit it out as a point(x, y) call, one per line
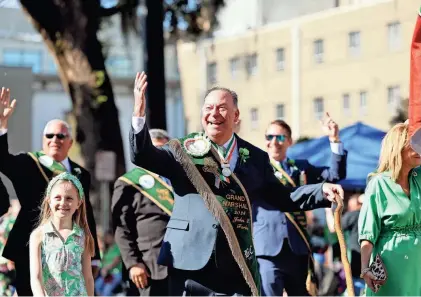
point(391, 152)
point(79, 217)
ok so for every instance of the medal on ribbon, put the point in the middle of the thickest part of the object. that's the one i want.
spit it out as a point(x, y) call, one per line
point(226, 156)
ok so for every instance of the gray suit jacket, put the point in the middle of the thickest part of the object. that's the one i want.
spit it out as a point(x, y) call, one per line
point(139, 228)
point(192, 232)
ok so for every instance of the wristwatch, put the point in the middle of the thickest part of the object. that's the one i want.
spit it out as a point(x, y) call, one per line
point(364, 271)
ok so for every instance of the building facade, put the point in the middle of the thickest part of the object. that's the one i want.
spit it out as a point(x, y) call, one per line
point(351, 61)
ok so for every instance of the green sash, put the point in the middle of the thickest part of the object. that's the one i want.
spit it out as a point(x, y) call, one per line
point(159, 192)
point(54, 166)
point(299, 221)
point(286, 179)
point(229, 204)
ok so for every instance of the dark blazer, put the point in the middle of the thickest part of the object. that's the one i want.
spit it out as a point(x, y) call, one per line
point(268, 220)
point(139, 228)
point(30, 187)
point(192, 230)
point(4, 199)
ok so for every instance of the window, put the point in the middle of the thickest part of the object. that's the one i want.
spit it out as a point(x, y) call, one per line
point(346, 104)
point(363, 102)
point(234, 65)
point(251, 64)
point(318, 108)
point(354, 43)
point(254, 118)
point(212, 73)
point(119, 66)
point(23, 58)
point(393, 98)
point(280, 59)
point(280, 111)
point(394, 35)
point(318, 51)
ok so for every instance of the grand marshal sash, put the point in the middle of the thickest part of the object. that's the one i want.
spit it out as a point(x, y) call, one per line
point(228, 202)
point(54, 166)
point(152, 187)
point(298, 219)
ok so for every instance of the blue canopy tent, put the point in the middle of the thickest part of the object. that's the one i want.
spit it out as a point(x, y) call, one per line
point(363, 145)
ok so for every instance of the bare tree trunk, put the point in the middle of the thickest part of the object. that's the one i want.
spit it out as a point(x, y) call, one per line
point(69, 29)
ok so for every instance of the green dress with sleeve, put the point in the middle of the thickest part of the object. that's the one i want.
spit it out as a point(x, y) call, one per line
point(391, 221)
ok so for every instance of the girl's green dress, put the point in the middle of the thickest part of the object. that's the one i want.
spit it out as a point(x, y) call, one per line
point(392, 222)
point(62, 262)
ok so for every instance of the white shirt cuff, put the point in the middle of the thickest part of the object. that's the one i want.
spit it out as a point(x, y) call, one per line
point(3, 131)
point(337, 148)
point(96, 263)
point(416, 141)
point(138, 123)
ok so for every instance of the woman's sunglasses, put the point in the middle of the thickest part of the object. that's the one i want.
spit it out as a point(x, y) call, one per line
point(60, 136)
point(279, 138)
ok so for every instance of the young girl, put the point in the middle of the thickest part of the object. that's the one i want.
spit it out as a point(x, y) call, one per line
point(61, 246)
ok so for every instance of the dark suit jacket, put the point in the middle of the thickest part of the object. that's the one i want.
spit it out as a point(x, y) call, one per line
point(139, 228)
point(30, 187)
point(268, 220)
point(192, 231)
point(4, 199)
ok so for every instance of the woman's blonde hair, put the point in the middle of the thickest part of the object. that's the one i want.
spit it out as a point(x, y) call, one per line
point(391, 152)
point(79, 217)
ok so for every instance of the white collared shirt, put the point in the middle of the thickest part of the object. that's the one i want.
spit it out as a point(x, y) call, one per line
point(66, 164)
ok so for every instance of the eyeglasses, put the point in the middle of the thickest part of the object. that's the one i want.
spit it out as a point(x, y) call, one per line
point(60, 136)
point(279, 138)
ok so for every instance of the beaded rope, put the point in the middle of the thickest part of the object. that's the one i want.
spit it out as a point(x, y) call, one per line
point(67, 177)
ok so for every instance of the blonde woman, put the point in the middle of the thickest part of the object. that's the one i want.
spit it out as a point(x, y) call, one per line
point(390, 218)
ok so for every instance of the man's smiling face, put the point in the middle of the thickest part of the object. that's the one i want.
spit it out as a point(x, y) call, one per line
point(219, 115)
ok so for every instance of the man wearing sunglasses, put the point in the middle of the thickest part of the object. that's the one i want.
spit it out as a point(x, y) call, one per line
point(30, 174)
point(281, 239)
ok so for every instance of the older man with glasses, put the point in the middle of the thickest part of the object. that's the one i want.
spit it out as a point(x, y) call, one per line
point(30, 174)
point(282, 243)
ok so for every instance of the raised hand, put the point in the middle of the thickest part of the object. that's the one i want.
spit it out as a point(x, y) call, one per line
point(330, 128)
point(140, 85)
point(6, 108)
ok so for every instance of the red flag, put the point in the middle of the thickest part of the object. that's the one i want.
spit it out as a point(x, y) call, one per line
point(414, 108)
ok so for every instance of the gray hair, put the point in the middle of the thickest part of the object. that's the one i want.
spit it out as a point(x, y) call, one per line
point(229, 91)
point(65, 124)
point(158, 133)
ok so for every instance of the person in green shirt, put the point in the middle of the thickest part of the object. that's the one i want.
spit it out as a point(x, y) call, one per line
point(111, 270)
point(390, 218)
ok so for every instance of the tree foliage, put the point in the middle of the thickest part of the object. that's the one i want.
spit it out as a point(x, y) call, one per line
point(69, 29)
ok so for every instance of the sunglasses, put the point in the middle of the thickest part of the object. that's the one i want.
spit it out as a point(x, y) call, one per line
point(60, 136)
point(279, 138)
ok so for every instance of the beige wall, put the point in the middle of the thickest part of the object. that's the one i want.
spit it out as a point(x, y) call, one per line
point(373, 70)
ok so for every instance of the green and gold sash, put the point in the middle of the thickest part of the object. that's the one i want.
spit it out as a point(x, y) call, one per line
point(228, 203)
point(41, 158)
point(298, 219)
point(151, 186)
point(286, 179)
